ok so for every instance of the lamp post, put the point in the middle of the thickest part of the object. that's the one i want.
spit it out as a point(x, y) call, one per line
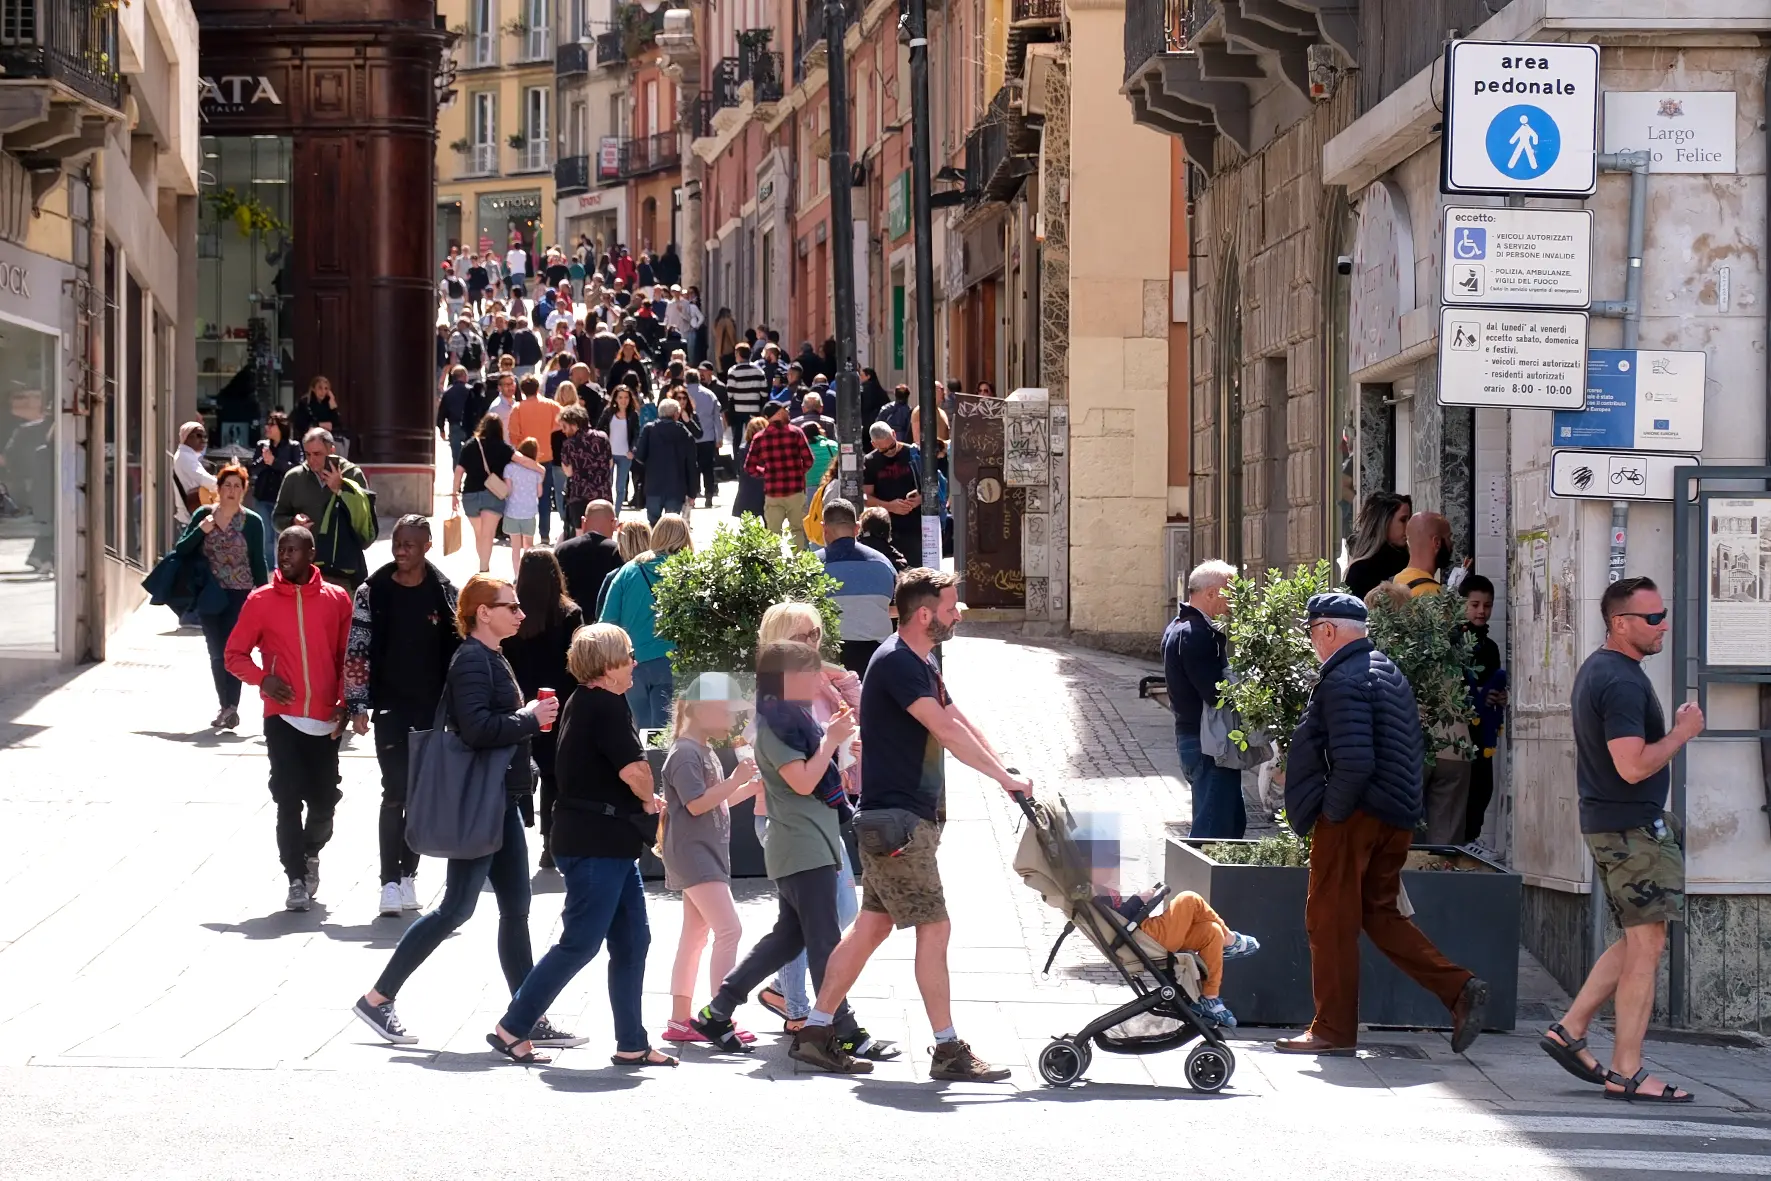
point(916, 30)
point(842, 243)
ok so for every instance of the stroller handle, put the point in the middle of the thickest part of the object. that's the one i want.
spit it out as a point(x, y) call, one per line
point(1024, 799)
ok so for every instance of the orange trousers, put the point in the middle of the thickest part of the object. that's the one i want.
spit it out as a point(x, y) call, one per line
point(1355, 878)
point(1189, 923)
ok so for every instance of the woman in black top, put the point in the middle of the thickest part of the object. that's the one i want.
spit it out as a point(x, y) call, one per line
point(278, 451)
point(538, 654)
point(1379, 550)
point(319, 408)
point(485, 454)
point(606, 815)
point(484, 706)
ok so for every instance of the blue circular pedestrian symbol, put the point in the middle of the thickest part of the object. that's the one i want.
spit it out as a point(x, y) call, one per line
point(1523, 142)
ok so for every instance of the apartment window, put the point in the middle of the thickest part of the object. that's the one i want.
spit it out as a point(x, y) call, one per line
point(651, 126)
point(578, 132)
point(485, 131)
point(135, 417)
point(863, 126)
point(807, 132)
point(482, 32)
point(537, 130)
point(538, 39)
point(113, 530)
point(578, 22)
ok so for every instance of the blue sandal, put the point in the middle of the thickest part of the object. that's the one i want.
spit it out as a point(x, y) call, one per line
point(1241, 945)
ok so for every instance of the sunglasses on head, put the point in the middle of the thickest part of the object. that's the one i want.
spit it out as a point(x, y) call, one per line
point(1651, 618)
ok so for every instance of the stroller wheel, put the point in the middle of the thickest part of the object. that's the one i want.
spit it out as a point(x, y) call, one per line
point(1062, 1062)
point(1209, 1068)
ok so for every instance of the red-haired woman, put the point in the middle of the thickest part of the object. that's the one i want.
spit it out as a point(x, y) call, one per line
point(229, 539)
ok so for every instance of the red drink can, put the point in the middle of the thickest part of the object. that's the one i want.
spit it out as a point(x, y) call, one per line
point(545, 695)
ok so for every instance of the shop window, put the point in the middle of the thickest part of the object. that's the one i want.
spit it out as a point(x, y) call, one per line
point(1230, 418)
point(1343, 403)
point(29, 516)
point(245, 326)
point(113, 531)
point(135, 401)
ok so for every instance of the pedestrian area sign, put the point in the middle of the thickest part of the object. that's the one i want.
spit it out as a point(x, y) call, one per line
point(1521, 117)
point(1517, 257)
point(1615, 475)
point(1505, 357)
point(1640, 400)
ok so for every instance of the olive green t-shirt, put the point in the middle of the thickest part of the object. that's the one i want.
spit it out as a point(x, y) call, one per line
point(802, 829)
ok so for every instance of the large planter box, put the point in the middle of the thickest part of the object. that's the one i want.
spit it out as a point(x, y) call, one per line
point(747, 851)
point(1471, 913)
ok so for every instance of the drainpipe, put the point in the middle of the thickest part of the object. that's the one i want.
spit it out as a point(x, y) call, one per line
point(97, 487)
point(1629, 310)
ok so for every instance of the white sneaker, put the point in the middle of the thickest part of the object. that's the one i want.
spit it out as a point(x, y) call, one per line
point(390, 900)
point(408, 894)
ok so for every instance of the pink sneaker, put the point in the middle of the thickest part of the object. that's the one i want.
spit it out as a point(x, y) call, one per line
point(681, 1031)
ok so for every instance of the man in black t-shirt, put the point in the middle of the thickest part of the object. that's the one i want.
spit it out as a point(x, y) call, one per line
point(401, 640)
point(891, 479)
point(1622, 748)
point(907, 721)
point(588, 558)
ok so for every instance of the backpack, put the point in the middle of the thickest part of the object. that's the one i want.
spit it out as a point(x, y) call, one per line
point(473, 354)
point(456, 289)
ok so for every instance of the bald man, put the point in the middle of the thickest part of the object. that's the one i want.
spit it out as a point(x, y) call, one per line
point(1429, 551)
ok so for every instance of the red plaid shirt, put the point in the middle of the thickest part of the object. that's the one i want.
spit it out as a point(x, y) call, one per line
point(782, 457)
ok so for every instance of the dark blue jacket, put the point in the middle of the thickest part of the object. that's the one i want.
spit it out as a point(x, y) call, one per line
point(1359, 746)
point(1193, 662)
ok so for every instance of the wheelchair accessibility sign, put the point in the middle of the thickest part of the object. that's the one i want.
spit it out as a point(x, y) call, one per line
point(1516, 257)
point(1520, 117)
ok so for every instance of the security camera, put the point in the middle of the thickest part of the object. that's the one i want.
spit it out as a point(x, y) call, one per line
point(1343, 264)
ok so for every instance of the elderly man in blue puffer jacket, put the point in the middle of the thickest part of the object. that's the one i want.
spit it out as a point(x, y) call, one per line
point(1353, 778)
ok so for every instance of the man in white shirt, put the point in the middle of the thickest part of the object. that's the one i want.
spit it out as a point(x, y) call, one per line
point(516, 264)
point(506, 401)
point(187, 466)
point(682, 314)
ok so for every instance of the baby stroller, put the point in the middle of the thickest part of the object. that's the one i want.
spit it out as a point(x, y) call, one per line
point(1162, 1013)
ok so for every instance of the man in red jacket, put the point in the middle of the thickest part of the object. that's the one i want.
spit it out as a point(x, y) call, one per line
point(298, 625)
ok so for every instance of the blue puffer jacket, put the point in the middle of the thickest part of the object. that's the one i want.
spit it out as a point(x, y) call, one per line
point(1359, 746)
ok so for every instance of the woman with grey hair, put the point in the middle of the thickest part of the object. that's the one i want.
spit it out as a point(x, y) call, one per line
point(667, 449)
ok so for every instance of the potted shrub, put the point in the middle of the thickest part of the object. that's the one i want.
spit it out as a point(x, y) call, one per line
point(1466, 904)
point(710, 604)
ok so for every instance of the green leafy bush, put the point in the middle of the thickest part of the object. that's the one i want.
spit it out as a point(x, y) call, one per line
point(711, 601)
point(1272, 666)
point(1421, 635)
point(1284, 848)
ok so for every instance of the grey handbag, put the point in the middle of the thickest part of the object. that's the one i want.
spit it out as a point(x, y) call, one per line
point(455, 795)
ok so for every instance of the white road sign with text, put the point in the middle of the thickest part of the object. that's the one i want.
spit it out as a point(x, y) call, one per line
point(1521, 118)
point(1528, 359)
point(1517, 257)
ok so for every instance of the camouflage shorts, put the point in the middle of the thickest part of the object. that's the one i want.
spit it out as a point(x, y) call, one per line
point(906, 887)
point(1644, 875)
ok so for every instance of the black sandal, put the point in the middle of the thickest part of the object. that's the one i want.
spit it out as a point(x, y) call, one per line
point(649, 1058)
point(1632, 1089)
point(509, 1050)
point(778, 1006)
point(1566, 1052)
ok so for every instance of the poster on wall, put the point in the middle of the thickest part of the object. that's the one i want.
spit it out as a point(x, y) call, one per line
point(1738, 630)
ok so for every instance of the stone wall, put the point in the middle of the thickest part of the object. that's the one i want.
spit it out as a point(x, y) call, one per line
point(1265, 212)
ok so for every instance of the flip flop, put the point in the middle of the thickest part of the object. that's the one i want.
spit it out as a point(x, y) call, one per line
point(774, 1002)
point(649, 1058)
point(508, 1049)
point(1566, 1051)
point(1632, 1092)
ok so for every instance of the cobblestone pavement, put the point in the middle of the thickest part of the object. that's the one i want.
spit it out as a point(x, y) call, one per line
point(161, 1015)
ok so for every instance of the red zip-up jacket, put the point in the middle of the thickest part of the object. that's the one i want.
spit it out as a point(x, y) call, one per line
point(299, 631)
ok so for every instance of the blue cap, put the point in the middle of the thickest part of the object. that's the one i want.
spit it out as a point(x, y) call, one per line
point(1336, 605)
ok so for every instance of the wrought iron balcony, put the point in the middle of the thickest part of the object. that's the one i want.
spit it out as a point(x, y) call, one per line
point(536, 155)
point(571, 176)
point(611, 49)
point(762, 70)
point(723, 87)
point(996, 159)
point(73, 42)
point(698, 116)
point(1042, 11)
point(650, 153)
point(1153, 28)
point(571, 58)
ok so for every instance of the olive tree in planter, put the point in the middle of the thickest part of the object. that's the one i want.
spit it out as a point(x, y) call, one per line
point(710, 605)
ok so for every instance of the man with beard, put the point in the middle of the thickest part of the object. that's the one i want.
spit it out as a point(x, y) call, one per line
point(907, 720)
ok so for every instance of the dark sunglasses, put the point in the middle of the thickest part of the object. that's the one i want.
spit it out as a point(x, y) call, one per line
point(1651, 618)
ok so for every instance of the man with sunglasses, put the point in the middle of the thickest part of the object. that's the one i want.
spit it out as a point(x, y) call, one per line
point(1622, 748)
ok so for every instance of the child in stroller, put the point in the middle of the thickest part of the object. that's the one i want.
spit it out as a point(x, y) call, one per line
point(1188, 923)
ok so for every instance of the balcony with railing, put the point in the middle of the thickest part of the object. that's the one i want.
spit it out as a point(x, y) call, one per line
point(479, 160)
point(1036, 12)
point(611, 50)
point(723, 84)
point(810, 40)
point(481, 49)
point(536, 155)
point(571, 176)
point(1000, 152)
point(73, 42)
point(762, 70)
point(571, 59)
point(698, 116)
point(650, 153)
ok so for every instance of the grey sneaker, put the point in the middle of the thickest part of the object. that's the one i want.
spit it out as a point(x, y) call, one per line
point(312, 878)
point(817, 1046)
point(299, 898)
point(954, 1062)
point(545, 1034)
point(381, 1019)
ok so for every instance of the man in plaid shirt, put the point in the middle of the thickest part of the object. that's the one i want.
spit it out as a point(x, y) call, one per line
point(782, 457)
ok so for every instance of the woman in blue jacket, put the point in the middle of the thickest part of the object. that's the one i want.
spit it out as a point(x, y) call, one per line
point(632, 606)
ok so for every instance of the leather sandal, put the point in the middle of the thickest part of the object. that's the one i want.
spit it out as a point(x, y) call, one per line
point(1632, 1089)
point(509, 1050)
point(1566, 1051)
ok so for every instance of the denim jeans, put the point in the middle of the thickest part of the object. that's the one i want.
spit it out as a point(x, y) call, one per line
point(458, 437)
point(649, 698)
point(216, 629)
point(1218, 810)
point(266, 510)
point(623, 467)
point(508, 870)
point(553, 491)
point(605, 901)
point(792, 978)
point(806, 923)
point(657, 506)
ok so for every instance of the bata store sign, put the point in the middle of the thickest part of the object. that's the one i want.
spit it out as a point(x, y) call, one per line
point(242, 94)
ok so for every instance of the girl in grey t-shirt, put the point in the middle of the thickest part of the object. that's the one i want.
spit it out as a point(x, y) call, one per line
point(697, 850)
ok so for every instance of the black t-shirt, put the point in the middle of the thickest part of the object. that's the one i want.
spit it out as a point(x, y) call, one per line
point(597, 738)
point(558, 273)
point(900, 759)
point(1614, 699)
point(496, 456)
point(586, 560)
point(410, 671)
point(892, 477)
point(1364, 575)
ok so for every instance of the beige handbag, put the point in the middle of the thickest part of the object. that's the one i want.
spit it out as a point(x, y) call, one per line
point(496, 484)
